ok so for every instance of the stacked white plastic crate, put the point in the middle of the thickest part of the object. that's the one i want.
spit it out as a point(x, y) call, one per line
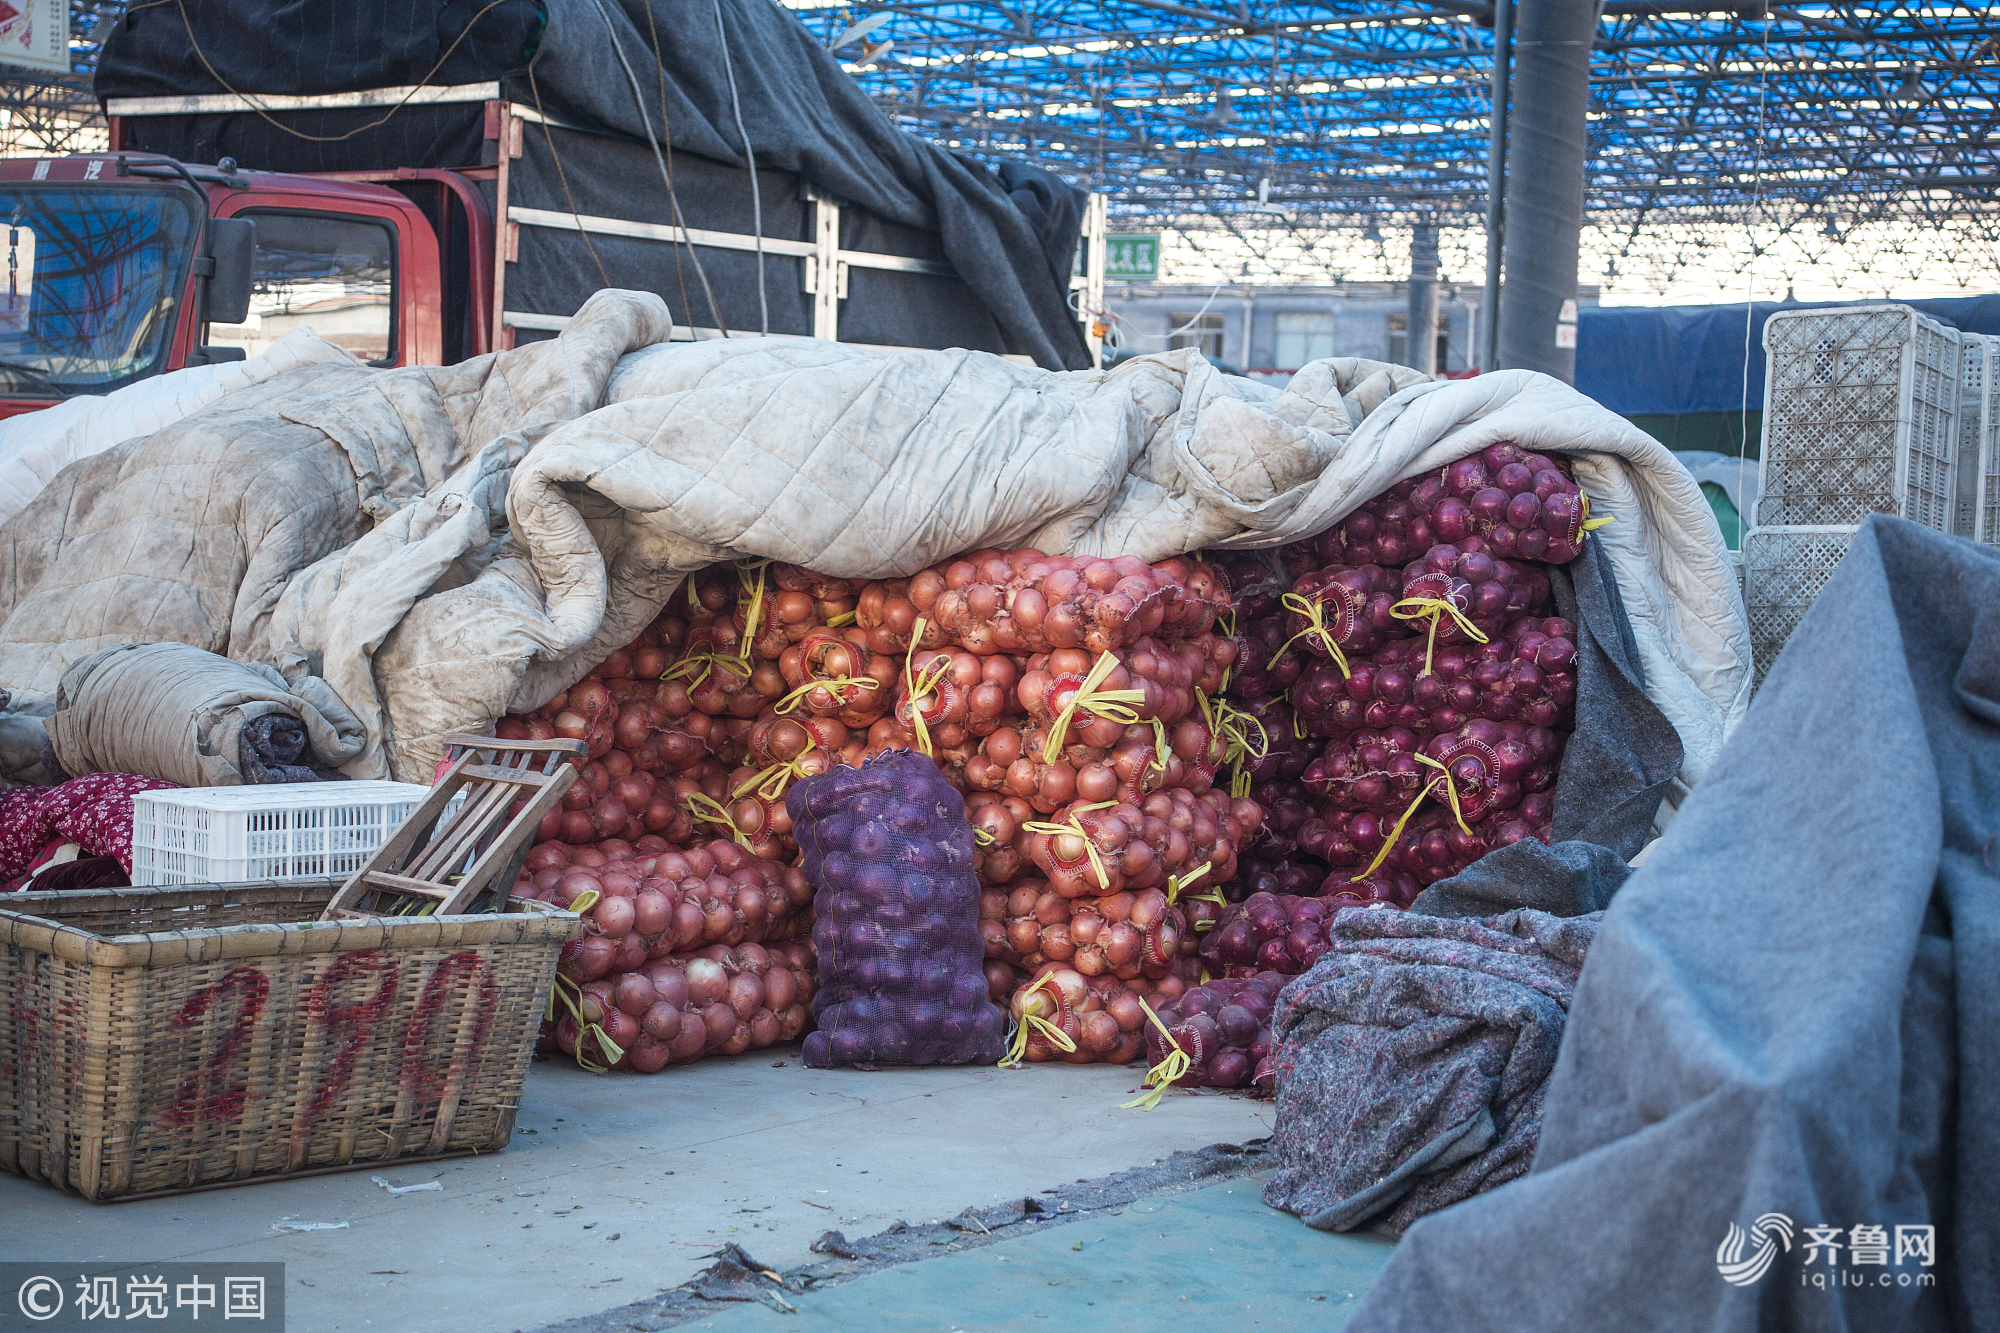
point(1861, 416)
point(1979, 440)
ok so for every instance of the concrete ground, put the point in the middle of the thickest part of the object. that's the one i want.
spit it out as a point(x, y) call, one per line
point(617, 1186)
point(1208, 1261)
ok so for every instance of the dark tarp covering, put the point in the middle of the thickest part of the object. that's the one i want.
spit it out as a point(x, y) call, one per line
point(557, 271)
point(1413, 1062)
point(1670, 360)
point(1011, 241)
point(344, 139)
point(309, 47)
point(1788, 1010)
point(1623, 755)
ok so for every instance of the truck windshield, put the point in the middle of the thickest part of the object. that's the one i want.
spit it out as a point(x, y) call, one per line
point(90, 279)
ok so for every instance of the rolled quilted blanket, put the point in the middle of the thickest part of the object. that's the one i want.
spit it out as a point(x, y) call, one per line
point(177, 713)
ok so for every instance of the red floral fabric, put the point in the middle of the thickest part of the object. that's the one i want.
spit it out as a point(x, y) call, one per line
point(93, 811)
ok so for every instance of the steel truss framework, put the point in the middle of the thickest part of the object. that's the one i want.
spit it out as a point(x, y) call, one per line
point(56, 113)
point(1281, 121)
point(1279, 124)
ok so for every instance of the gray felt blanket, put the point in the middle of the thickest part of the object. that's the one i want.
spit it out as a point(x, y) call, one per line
point(1785, 1030)
point(1413, 1059)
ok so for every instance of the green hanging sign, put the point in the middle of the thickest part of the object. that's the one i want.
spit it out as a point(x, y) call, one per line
point(1132, 258)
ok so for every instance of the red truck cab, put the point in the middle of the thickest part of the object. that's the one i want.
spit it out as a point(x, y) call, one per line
point(118, 266)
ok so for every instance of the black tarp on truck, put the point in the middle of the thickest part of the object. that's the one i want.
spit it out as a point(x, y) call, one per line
point(639, 118)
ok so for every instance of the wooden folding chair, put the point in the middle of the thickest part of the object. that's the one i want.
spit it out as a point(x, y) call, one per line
point(418, 870)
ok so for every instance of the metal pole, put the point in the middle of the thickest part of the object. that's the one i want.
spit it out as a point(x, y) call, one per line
point(1488, 338)
point(1546, 148)
point(1421, 343)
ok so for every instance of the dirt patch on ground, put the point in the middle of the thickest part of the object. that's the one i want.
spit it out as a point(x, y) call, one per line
point(738, 1276)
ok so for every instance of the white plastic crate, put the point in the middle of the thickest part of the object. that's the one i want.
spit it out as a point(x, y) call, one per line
point(1783, 571)
point(226, 835)
point(1979, 441)
point(1861, 416)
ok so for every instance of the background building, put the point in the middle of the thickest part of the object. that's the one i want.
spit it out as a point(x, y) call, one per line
point(1268, 332)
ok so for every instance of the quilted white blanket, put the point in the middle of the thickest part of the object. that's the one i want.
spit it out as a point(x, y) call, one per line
point(531, 531)
point(37, 445)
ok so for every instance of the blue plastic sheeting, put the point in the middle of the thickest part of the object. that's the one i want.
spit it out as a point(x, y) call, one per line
point(1647, 360)
point(1213, 1261)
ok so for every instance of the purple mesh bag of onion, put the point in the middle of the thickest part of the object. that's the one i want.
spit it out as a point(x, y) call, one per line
point(889, 852)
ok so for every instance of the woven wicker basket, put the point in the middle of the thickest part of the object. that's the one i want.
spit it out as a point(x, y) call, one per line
point(166, 1039)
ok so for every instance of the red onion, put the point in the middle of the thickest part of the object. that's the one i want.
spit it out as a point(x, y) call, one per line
point(630, 954)
point(669, 984)
point(745, 995)
point(587, 959)
point(649, 1055)
point(653, 911)
point(547, 856)
point(707, 982)
point(589, 697)
point(614, 916)
point(1523, 504)
point(634, 994)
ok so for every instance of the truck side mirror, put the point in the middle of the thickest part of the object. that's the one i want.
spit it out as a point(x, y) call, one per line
point(232, 246)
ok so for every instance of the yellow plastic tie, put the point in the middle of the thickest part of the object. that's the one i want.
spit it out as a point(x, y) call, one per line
point(1075, 826)
point(1234, 722)
point(584, 901)
point(1298, 726)
point(1389, 842)
point(1314, 610)
point(1239, 777)
point(1231, 724)
point(1052, 1034)
point(921, 685)
point(556, 992)
point(610, 1047)
point(770, 783)
point(707, 659)
point(1212, 896)
point(1175, 883)
point(604, 1042)
point(711, 811)
point(1450, 790)
point(841, 621)
point(1172, 1067)
point(1106, 704)
point(1591, 524)
point(696, 665)
point(756, 590)
point(832, 684)
point(983, 838)
point(1434, 609)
